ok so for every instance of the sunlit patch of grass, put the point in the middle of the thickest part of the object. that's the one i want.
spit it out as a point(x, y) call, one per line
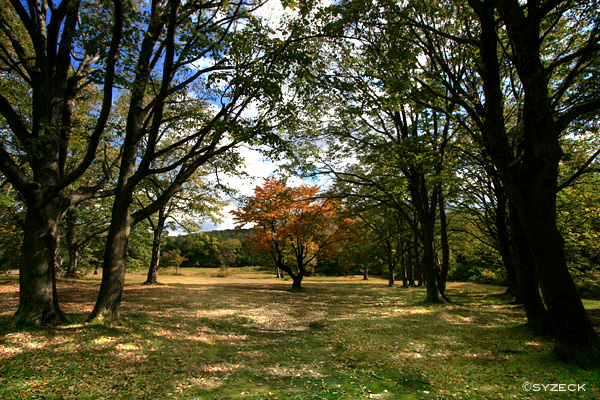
point(204, 337)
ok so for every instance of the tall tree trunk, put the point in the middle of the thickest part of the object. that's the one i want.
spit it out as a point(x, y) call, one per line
point(72, 247)
point(366, 271)
point(538, 318)
point(108, 304)
point(430, 266)
point(425, 204)
point(576, 338)
point(390, 263)
point(152, 277)
point(418, 265)
point(504, 246)
point(38, 302)
point(391, 274)
point(403, 264)
point(156, 241)
point(72, 266)
point(410, 267)
point(445, 264)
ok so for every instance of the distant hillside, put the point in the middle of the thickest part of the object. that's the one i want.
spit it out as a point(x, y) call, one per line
point(228, 233)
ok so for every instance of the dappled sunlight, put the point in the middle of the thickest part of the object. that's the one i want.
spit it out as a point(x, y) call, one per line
point(232, 337)
point(130, 353)
point(456, 319)
point(219, 368)
point(127, 347)
point(298, 371)
point(104, 340)
point(9, 351)
point(418, 311)
point(333, 339)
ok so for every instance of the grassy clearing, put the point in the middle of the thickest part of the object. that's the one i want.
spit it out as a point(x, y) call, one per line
point(249, 336)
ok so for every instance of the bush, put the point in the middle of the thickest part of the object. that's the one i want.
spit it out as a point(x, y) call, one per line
point(490, 277)
point(588, 286)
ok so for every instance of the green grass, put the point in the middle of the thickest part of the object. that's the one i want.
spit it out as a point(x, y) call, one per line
point(198, 336)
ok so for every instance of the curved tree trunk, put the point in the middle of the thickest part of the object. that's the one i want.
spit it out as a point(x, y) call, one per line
point(296, 277)
point(297, 281)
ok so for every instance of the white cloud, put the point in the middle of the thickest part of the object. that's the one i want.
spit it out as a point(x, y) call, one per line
point(272, 12)
point(253, 174)
point(256, 168)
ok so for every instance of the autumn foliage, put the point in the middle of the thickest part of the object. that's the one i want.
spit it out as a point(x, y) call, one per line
point(293, 225)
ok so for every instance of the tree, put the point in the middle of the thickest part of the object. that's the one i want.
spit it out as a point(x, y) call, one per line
point(186, 209)
point(174, 259)
point(84, 224)
point(292, 225)
point(49, 53)
point(548, 86)
point(174, 94)
point(229, 251)
point(546, 52)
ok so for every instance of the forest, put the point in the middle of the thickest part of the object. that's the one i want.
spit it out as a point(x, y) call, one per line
point(421, 143)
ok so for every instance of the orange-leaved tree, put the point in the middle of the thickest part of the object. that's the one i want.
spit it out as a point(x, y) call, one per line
point(293, 225)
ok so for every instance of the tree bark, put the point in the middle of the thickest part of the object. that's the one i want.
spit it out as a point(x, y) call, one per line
point(434, 294)
point(38, 301)
point(576, 338)
point(530, 179)
point(297, 281)
point(403, 265)
point(528, 289)
point(411, 262)
point(108, 303)
point(156, 241)
point(445, 264)
point(503, 238)
point(391, 264)
point(296, 277)
point(72, 248)
point(426, 216)
point(391, 274)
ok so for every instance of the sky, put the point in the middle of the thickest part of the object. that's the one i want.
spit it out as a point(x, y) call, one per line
point(256, 168)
